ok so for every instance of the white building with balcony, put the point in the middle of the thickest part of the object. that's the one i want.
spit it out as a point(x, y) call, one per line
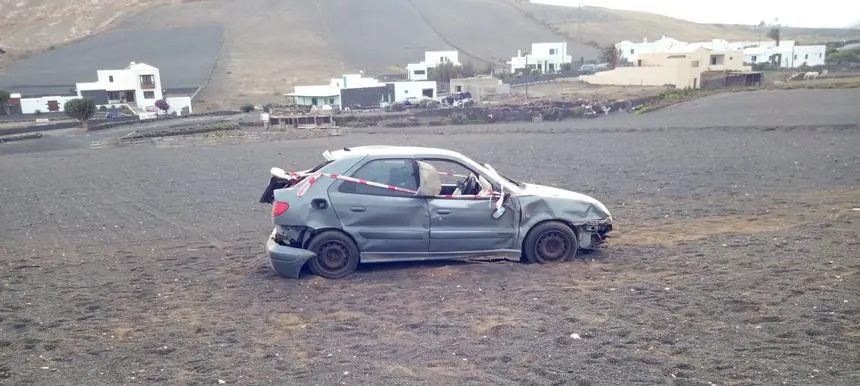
point(419, 71)
point(545, 57)
point(138, 86)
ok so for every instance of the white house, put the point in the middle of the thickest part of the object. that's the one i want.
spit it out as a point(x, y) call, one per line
point(138, 86)
point(418, 71)
point(414, 89)
point(545, 57)
point(630, 51)
point(787, 54)
point(330, 94)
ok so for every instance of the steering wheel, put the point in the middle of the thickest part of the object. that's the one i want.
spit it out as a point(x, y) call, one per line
point(469, 186)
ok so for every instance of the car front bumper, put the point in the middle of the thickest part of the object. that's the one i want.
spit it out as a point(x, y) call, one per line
point(284, 260)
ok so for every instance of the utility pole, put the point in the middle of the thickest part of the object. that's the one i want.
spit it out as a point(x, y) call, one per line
point(529, 74)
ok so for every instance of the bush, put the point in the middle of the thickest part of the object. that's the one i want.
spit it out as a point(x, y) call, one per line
point(81, 109)
point(102, 108)
point(247, 108)
point(459, 119)
point(162, 105)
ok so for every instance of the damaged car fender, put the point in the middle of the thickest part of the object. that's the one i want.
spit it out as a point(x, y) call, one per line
point(587, 216)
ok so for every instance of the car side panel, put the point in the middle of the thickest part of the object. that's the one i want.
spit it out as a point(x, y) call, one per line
point(461, 225)
point(383, 225)
point(302, 211)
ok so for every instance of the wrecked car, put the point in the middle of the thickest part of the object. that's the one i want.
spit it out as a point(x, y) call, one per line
point(372, 204)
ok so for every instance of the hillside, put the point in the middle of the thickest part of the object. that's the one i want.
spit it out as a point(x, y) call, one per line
point(607, 26)
point(31, 26)
point(256, 50)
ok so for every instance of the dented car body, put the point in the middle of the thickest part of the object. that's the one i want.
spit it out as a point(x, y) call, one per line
point(388, 203)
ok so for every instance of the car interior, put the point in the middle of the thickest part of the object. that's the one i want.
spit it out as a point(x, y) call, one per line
point(430, 183)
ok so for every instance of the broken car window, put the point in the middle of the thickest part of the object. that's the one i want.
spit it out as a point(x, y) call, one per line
point(397, 172)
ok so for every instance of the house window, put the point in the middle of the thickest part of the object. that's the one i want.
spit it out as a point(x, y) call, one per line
point(806, 56)
point(149, 95)
point(755, 59)
point(147, 81)
point(110, 78)
point(552, 51)
point(631, 51)
point(419, 72)
point(694, 63)
point(717, 60)
point(314, 101)
point(331, 101)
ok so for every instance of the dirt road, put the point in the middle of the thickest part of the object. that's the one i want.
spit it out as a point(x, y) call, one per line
point(735, 261)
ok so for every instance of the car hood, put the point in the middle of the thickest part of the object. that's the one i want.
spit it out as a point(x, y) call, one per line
point(549, 191)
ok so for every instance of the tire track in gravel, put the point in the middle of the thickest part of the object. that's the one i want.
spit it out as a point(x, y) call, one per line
point(210, 238)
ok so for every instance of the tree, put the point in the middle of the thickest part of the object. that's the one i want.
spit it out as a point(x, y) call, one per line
point(612, 55)
point(4, 100)
point(81, 109)
point(162, 105)
point(774, 34)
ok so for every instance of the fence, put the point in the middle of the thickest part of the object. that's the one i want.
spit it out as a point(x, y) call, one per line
point(526, 79)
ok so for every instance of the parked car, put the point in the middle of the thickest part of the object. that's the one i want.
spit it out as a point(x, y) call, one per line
point(372, 204)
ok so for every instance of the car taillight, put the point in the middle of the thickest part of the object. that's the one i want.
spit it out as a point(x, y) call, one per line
point(279, 207)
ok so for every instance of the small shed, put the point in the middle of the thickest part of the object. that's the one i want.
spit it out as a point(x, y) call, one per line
point(315, 119)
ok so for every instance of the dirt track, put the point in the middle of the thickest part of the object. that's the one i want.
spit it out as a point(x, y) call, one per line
point(735, 262)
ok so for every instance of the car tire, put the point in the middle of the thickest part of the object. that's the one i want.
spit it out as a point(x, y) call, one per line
point(550, 242)
point(336, 255)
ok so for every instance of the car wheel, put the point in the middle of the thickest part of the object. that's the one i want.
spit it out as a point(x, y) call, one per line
point(336, 255)
point(550, 242)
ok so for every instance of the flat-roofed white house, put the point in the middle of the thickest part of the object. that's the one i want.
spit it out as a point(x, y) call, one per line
point(356, 91)
point(785, 54)
point(419, 71)
point(330, 94)
point(545, 57)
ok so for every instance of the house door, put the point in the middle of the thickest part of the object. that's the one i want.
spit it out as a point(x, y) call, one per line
point(129, 96)
point(53, 106)
point(695, 83)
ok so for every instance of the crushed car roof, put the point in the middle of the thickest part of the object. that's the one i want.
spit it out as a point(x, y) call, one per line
point(386, 150)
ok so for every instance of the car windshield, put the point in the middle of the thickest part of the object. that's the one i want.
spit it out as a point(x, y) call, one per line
point(493, 170)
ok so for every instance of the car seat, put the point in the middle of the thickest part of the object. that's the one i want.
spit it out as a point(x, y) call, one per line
point(431, 184)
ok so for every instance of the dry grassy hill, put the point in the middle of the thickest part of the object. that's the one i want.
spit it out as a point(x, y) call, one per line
point(606, 26)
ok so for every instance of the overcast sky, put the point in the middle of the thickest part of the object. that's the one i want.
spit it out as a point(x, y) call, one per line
point(818, 13)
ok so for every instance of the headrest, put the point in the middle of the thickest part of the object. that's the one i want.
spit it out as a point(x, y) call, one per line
point(431, 184)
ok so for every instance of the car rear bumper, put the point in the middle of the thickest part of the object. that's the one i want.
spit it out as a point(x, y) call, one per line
point(284, 260)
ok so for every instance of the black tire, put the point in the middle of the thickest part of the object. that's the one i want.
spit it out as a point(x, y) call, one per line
point(336, 255)
point(550, 242)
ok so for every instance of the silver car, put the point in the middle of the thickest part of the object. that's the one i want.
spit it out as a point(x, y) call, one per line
point(372, 204)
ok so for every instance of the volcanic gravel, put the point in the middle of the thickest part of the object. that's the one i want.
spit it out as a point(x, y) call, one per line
point(734, 261)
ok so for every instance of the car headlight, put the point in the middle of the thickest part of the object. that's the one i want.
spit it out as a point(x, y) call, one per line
point(602, 208)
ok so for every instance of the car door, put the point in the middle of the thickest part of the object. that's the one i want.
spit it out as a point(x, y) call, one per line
point(385, 223)
point(467, 224)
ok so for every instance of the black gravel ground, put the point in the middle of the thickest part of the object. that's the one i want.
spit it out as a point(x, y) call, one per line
point(735, 261)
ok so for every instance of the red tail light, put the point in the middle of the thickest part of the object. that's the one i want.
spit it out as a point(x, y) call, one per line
point(279, 207)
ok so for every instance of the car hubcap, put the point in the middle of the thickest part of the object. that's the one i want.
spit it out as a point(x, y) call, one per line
point(552, 245)
point(333, 256)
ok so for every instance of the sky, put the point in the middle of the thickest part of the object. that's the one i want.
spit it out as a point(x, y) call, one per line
point(822, 13)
